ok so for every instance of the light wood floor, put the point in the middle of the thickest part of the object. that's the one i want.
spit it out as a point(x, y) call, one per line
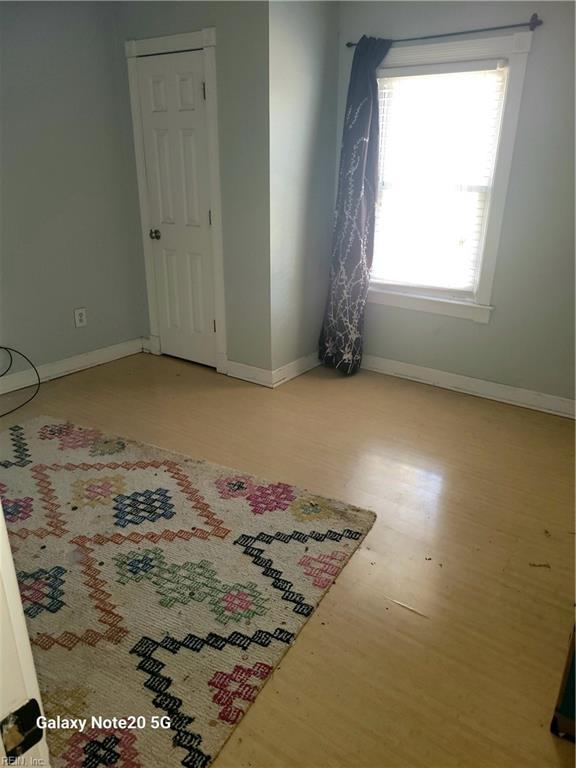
point(469, 493)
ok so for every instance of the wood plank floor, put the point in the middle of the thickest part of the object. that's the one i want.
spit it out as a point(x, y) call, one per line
point(471, 495)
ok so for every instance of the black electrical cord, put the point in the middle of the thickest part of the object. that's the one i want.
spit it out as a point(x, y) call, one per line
point(4, 372)
point(11, 350)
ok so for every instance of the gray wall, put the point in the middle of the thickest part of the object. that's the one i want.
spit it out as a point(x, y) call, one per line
point(70, 231)
point(529, 341)
point(242, 72)
point(303, 88)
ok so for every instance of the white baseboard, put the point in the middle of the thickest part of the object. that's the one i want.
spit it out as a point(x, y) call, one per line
point(538, 401)
point(13, 381)
point(272, 378)
point(151, 344)
point(295, 368)
point(249, 373)
point(490, 390)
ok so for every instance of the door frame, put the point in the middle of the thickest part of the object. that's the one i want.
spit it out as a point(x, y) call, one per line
point(205, 41)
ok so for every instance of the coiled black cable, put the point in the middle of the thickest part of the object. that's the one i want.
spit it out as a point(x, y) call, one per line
point(11, 351)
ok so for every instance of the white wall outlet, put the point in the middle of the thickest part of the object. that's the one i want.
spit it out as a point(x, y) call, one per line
point(80, 317)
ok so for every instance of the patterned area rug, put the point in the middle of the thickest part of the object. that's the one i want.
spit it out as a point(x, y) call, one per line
point(158, 588)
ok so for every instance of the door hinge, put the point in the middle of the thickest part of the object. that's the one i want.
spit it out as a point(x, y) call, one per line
point(214, 321)
point(210, 217)
point(204, 91)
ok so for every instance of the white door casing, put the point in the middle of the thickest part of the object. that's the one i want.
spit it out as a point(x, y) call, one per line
point(174, 114)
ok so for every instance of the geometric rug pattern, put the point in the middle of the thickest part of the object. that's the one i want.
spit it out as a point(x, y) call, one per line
point(160, 592)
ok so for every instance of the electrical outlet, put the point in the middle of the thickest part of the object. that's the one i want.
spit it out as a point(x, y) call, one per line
point(80, 317)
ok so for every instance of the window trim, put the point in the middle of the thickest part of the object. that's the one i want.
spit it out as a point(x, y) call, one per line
point(514, 49)
point(436, 305)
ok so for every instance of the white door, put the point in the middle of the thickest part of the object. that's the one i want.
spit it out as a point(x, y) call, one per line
point(18, 683)
point(173, 114)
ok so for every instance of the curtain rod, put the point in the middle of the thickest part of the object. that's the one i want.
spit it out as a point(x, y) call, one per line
point(532, 24)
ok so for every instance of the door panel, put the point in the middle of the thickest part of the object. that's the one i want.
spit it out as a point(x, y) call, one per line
point(173, 112)
point(189, 159)
point(164, 178)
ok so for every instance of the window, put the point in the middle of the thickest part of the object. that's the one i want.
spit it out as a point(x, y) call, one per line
point(445, 150)
point(439, 137)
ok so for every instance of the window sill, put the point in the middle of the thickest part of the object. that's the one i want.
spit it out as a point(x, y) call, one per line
point(479, 313)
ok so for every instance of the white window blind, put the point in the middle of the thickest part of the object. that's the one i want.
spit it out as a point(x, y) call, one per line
point(438, 140)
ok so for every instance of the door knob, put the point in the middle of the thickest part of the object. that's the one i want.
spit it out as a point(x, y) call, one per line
point(155, 234)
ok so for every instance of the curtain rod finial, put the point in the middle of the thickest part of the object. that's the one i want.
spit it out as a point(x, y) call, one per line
point(535, 22)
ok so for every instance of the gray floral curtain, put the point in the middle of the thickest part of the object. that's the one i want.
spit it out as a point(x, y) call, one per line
point(353, 238)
